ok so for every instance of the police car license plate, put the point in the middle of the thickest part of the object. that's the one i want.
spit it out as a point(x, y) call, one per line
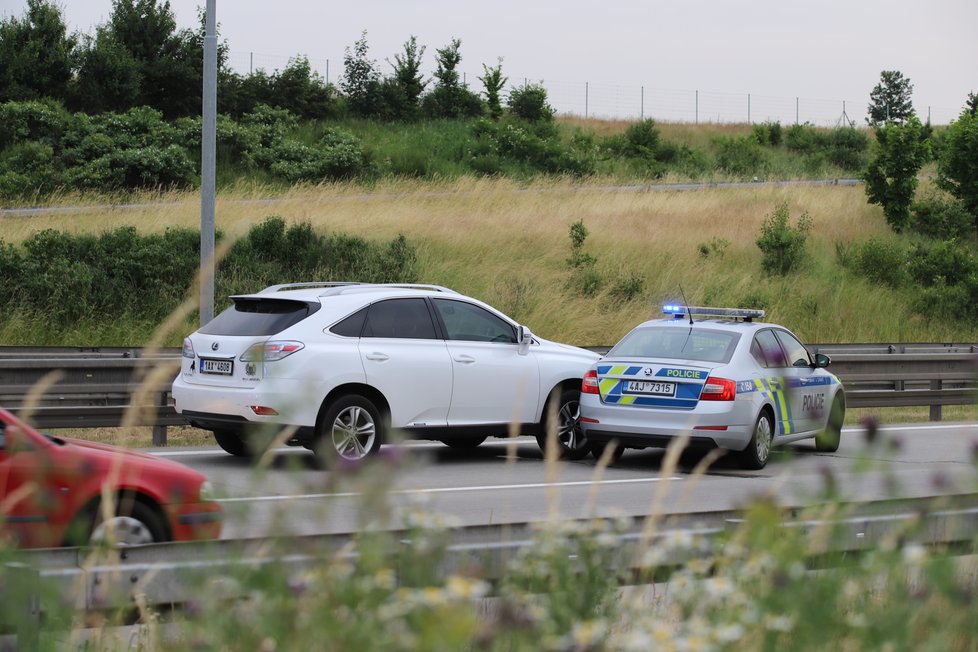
point(650, 387)
point(219, 367)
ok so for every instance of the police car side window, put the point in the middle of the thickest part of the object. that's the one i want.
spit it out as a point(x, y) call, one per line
point(798, 355)
point(770, 348)
point(755, 350)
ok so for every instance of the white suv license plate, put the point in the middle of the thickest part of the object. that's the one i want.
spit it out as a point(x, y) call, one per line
point(650, 387)
point(219, 367)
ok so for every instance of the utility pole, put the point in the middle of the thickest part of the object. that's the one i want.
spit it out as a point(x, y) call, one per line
point(208, 165)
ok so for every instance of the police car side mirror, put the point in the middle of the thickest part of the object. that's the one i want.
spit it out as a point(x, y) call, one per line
point(822, 360)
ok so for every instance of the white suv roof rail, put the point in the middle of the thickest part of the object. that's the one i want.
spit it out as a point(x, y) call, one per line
point(296, 286)
point(341, 287)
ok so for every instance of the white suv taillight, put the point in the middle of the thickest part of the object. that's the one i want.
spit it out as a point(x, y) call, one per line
point(188, 348)
point(271, 351)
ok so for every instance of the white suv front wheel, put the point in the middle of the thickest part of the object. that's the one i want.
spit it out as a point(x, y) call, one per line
point(350, 430)
point(565, 406)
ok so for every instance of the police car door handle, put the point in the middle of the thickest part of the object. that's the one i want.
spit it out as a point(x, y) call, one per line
point(464, 359)
point(378, 357)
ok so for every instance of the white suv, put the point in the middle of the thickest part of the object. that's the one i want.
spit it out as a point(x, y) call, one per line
point(336, 367)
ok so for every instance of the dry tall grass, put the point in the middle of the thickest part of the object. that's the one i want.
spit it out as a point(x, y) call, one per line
point(508, 244)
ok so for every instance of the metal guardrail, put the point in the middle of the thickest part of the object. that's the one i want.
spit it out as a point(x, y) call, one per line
point(105, 386)
point(168, 574)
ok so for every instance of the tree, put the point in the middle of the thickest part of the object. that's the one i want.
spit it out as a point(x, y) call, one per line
point(530, 103)
point(361, 81)
point(35, 54)
point(140, 53)
point(782, 245)
point(890, 100)
point(108, 79)
point(494, 82)
point(971, 106)
point(891, 177)
point(449, 98)
point(407, 84)
point(957, 166)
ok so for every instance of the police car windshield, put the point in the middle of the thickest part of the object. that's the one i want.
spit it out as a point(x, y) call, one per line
point(677, 343)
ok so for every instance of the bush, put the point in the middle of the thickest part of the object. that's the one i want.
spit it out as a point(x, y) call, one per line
point(530, 103)
point(939, 217)
point(738, 155)
point(783, 246)
point(42, 120)
point(881, 261)
point(768, 133)
point(627, 288)
point(941, 263)
point(536, 147)
point(716, 247)
point(804, 139)
point(848, 147)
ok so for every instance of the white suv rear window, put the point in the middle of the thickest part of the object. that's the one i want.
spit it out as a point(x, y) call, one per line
point(259, 317)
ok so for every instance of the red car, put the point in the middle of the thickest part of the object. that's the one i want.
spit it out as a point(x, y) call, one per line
point(52, 491)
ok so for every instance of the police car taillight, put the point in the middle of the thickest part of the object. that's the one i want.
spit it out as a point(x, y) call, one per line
point(718, 389)
point(590, 383)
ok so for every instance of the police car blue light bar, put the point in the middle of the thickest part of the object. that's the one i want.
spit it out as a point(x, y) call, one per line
point(706, 311)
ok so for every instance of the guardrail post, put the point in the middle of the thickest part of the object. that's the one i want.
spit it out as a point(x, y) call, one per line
point(935, 410)
point(23, 583)
point(159, 431)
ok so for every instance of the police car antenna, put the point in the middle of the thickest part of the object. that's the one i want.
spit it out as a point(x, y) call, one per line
point(686, 303)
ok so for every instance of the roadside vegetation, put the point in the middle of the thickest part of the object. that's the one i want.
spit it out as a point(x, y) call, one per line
point(552, 219)
point(759, 585)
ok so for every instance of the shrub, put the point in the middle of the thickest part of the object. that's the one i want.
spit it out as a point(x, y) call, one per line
point(529, 102)
point(881, 261)
point(804, 138)
point(627, 288)
point(939, 217)
point(43, 120)
point(946, 262)
point(537, 147)
point(738, 155)
point(783, 246)
point(767, 133)
point(716, 247)
point(848, 147)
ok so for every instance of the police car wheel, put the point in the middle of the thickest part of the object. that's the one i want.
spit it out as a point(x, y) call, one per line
point(756, 454)
point(571, 442)
point(828, 440)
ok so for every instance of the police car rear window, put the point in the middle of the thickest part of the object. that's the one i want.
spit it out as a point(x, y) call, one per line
point(677, 343)
point(259, 317)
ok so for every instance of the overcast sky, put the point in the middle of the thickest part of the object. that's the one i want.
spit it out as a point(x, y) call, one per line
point(766, 59)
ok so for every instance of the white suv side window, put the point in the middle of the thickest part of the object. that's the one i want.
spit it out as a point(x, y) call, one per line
point(464, 321)
point(400, 318)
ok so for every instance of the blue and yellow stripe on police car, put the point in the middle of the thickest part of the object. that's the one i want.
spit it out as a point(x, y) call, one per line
point(782, 407)
point(612, 380)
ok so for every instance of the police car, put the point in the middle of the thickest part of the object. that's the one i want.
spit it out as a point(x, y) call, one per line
point(718, 375)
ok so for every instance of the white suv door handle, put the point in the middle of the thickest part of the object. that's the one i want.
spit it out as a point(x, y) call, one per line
point(465, 359)
point(379, 357)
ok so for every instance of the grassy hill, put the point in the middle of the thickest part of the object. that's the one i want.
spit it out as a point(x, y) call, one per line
point(508, 243)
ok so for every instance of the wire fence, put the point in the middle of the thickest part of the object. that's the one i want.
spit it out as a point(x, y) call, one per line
point(636, 102)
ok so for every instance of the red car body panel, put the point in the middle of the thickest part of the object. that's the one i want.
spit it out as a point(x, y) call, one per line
point(46, 482)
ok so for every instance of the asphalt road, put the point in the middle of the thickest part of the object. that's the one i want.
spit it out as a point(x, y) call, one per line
point(486, 485)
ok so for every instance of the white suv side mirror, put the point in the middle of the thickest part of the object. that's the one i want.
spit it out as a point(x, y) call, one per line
point(523, 337)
